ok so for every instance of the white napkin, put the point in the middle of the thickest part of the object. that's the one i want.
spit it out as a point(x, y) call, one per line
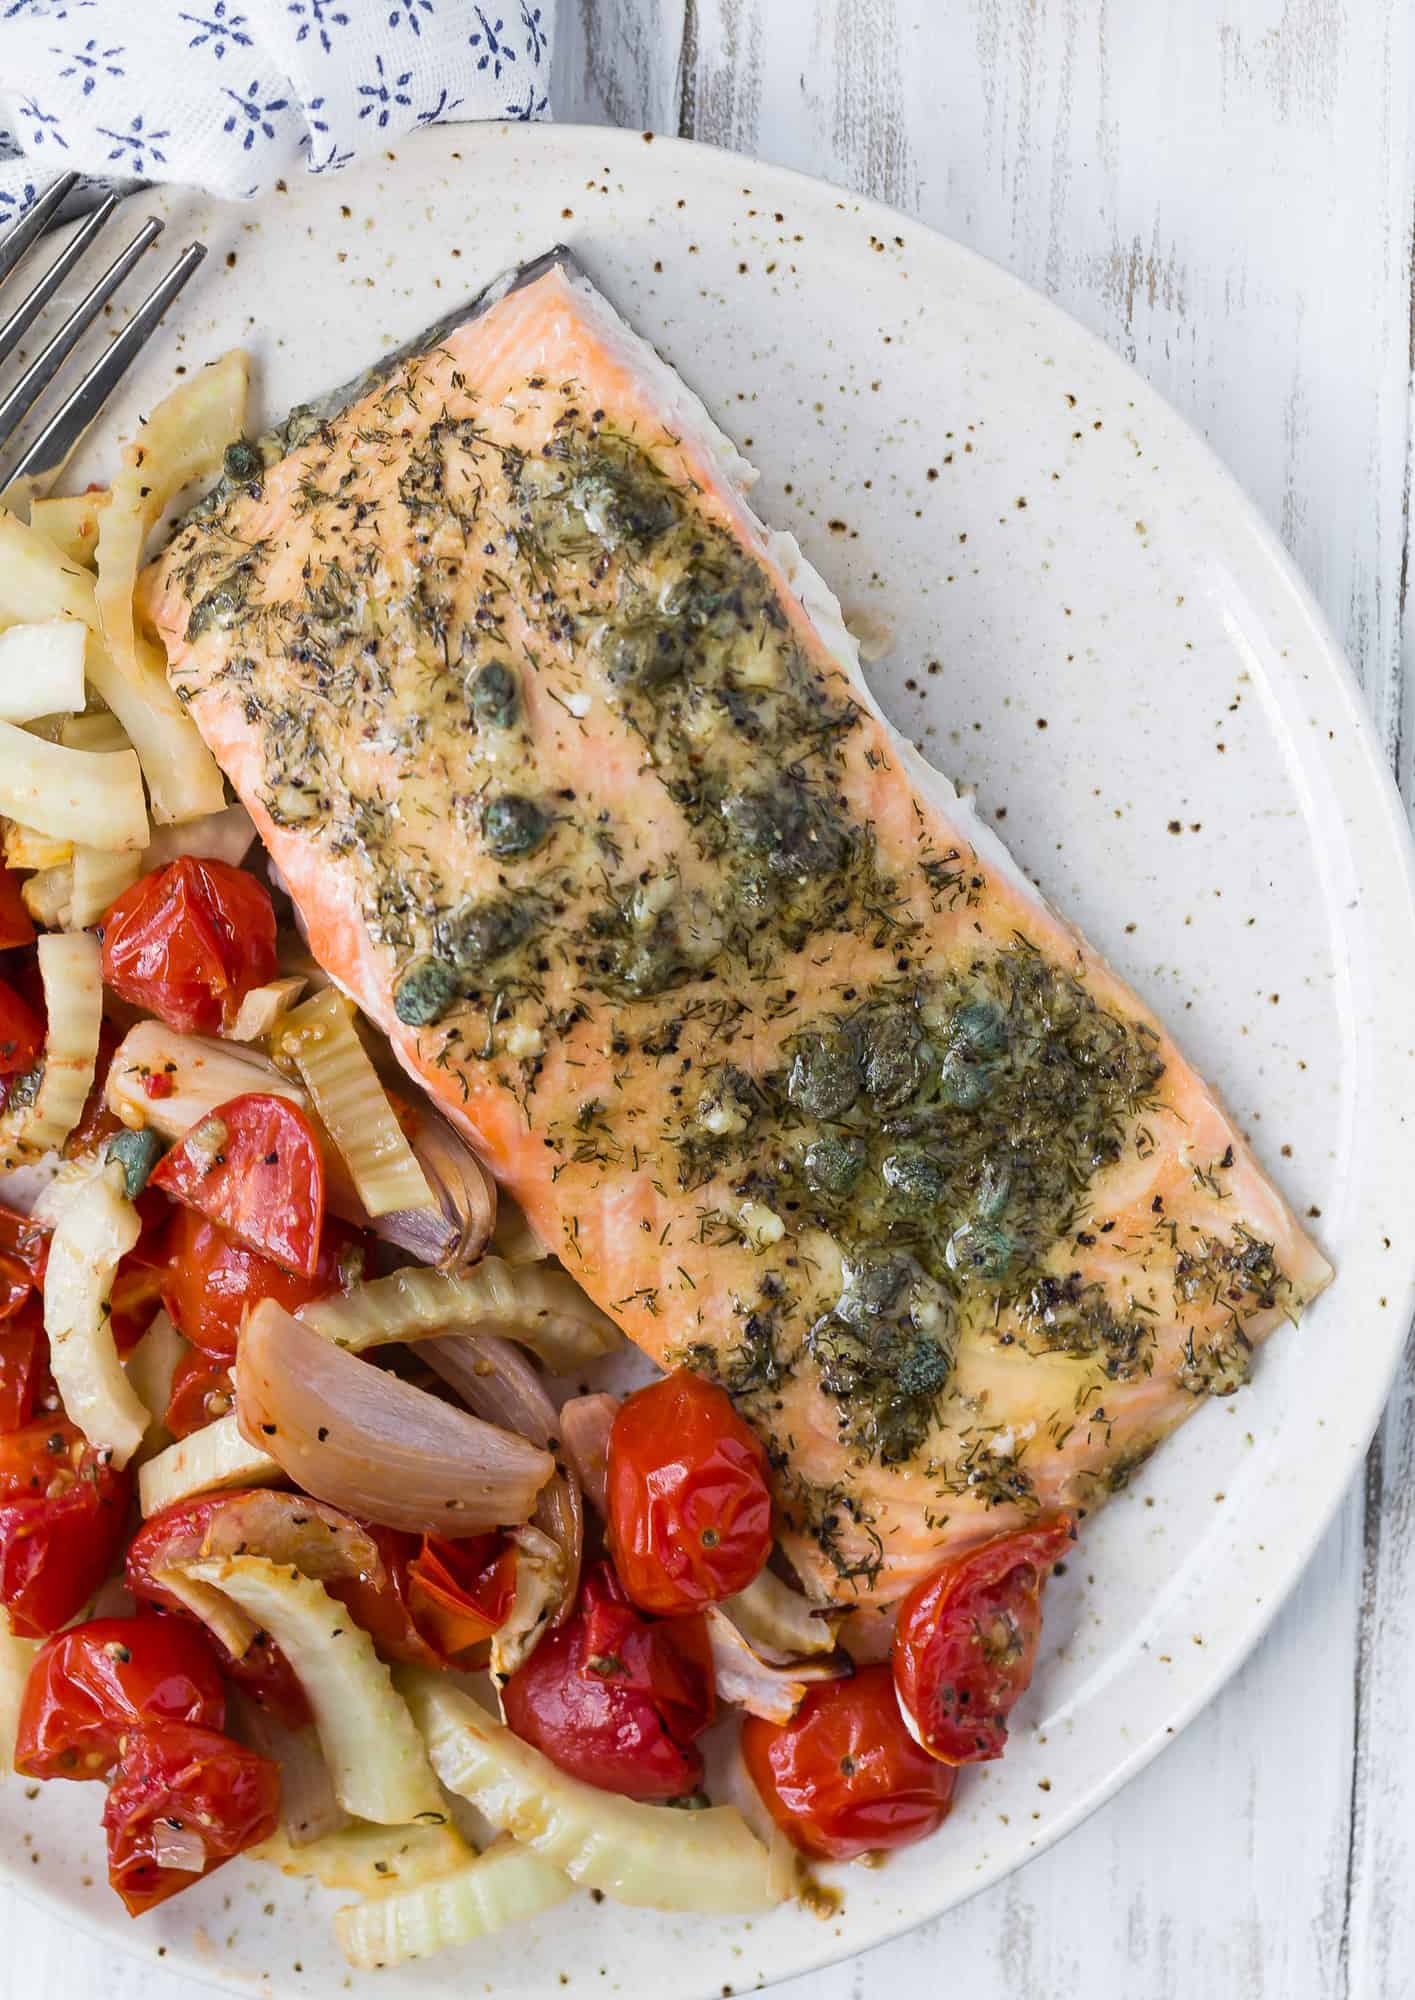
point(233, 95)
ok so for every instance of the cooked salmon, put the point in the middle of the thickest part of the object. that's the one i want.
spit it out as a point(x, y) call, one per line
point(571, 772)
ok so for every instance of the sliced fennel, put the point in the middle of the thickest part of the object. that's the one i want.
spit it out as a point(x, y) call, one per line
point(374, 1752)
point(37, 582)
point(98, 877)
point(97, 1227)
point(43, 1109)
point(372, 1859)
point(41, 670)
point(504, 1886)
point(209, 1461)
point(150, 1368)
point(89, 796)
point(778, 1622)
point(71, 523)
point(16, 1659)
point(322, 1041)
point(262, 1008)
point(543, 1309)
point(48, 895)
point(100, 730)
point(651, 1856)
point(182, 440)
point(27, 848)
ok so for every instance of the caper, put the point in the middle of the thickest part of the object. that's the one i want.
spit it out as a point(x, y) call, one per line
point(978, 1031)
point(241, 463)
point(834, 1164)
point(513, 826)
point(897, 1060)
point(876, 1289)
point(923, 1368)
point(916, 1177)
point(620, 509)
point(824, 1079)
point(137, 1153)
point(480, 933)
point(494, 695)
point(964, 1084)
point(796, 834)
point(644, 654)
point(425, 991)
point(981, 1250)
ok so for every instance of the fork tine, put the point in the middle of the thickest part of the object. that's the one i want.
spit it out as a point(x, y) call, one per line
point(42, 462)
point(39, 296)
point(46, 364)
point(16, 241)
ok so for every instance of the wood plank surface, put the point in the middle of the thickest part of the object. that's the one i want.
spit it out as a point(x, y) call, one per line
point(1222, 189)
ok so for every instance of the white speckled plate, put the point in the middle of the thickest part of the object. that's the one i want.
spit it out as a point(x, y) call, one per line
point(1093, 628)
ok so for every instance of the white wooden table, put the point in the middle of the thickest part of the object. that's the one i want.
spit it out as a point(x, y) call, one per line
point(1223, 190)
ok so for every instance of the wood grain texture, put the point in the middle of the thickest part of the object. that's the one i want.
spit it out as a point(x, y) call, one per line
point(1222, 190)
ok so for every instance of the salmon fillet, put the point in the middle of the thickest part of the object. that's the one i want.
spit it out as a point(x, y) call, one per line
point(570, 770)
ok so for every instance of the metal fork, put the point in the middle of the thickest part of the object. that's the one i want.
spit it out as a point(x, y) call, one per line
point(33, 470)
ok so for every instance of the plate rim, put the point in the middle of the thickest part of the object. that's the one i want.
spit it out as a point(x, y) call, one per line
point(420, 155)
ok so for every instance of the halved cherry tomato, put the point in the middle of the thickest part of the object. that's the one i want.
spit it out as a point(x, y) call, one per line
point(15, 1286)
point(210, 1281)
point(21, 1033)
point(24, 1354)
point(461, 1592)
point(967, 1637)
point(181, 1795)
point(689, 1504)
point(16, 925)
point(844, 1776)
point(253, 1165)
point(615, 1698)
point(62, 1511)
point(89, 1687)
point(189, 941)
point(201, 1392)
point(26, 1240)
point(137, 1283)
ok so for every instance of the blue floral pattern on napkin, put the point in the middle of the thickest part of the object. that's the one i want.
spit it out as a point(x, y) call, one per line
point(233, 95)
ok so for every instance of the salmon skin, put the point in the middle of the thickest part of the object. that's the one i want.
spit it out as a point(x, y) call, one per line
point(572, 774)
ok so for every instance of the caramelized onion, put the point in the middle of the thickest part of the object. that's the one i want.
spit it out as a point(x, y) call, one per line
point(363, 1440)
point(746, 1680)
point(585, 1424)
point(494, 1379)
point(452, 1233)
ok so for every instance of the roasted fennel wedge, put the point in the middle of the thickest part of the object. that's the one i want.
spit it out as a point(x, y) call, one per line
point(375, 1756)
point(504, 1886)
point(654, 1857)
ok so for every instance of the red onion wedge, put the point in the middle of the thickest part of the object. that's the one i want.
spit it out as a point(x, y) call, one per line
point(585, 1424)
point(497, 1382)
point(363, 1440)
point(748, 1681)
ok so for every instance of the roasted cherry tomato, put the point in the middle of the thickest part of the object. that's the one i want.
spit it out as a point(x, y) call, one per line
point(461, 1592)
point(137, 1283)
point(844, 1776)
point(97, 1123)
point(91, 1686)
point(184, 1800)
point(24, 1354)
point(189, 941)
point(21, 1033)
point(689, 1504)
point(62, 1512)
point(201, 1392)
point(615, 1698)
point(26, 1240)
point(262, 1671)
point(967, 1637)
point(253, 1165)
point(210, 1281)
point(16, 925)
